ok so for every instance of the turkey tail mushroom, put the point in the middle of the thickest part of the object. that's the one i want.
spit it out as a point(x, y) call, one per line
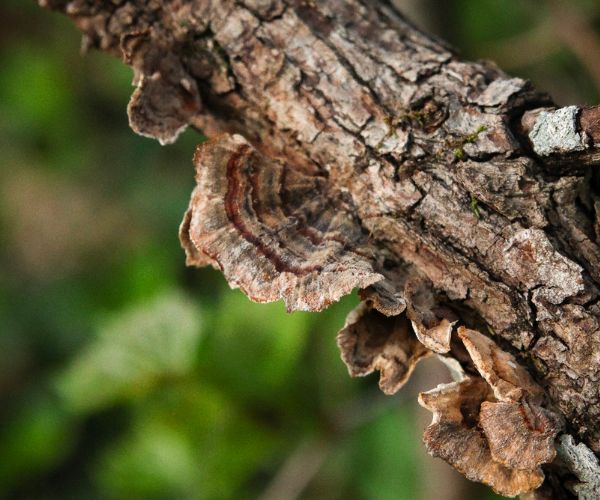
point(263, 224)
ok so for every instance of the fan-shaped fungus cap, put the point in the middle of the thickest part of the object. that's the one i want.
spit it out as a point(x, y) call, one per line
point(371, 341)
point(262, 224)
point(520, 435)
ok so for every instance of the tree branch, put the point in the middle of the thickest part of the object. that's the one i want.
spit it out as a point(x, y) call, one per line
point(373, 157)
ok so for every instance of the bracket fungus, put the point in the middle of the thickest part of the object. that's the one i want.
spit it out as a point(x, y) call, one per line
point(509, 380)
point(266, 228)
point(520, 435)
point(371, 341)
point(162, 85)
point(493, 429)
point(385, 296)
point(454, 436)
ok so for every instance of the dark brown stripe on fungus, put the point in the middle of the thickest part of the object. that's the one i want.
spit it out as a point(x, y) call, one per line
point(235, 195)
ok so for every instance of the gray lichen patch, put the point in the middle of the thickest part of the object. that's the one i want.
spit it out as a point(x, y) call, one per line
point(556, 132)
point(584, 464)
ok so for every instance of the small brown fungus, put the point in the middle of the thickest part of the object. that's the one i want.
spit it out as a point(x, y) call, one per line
point(384, 297)
point(263, 225)
point(454, 436)
point(432, 322)
point(492, 429)
point(387, 295)
point(162, 85)
point(520, 436)
point(509, 380)
point(371, 341)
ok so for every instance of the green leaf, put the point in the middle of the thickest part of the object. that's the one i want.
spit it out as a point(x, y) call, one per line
point(133, 352)
point(159, 460)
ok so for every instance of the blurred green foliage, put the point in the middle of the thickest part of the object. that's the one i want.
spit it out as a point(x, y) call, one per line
point(125, 375)
point(132, 353)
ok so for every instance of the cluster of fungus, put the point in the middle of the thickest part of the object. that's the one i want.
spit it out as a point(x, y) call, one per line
point(490, 423)
point(277, 234)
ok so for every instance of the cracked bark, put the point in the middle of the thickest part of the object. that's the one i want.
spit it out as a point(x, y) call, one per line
point(372, 157)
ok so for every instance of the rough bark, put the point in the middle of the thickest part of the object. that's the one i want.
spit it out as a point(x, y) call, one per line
point(369, 156)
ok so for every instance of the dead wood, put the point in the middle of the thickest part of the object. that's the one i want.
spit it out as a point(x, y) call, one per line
point(350, 150)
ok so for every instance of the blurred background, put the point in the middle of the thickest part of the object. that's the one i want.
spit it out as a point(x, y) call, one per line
point(124, 375)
